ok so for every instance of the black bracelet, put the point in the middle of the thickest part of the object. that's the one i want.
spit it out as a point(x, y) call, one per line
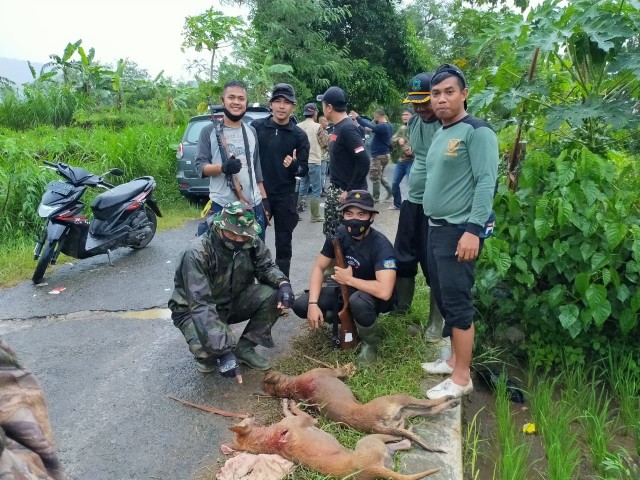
point(313, 303)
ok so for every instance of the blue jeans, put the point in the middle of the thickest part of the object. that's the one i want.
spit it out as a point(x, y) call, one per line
point(325, 171)
point(401, 170)
point(313, 178)
point(216, 208)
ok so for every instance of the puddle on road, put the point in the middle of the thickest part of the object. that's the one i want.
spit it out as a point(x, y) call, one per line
point(151, 314)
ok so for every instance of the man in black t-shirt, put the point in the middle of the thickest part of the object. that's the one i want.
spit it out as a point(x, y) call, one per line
point(370, 275)
point(348, 158)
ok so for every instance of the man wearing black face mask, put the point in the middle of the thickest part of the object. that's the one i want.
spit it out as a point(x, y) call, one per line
point(370, 275)
point(215, 287)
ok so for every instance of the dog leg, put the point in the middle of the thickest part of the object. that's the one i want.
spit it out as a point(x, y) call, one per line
point(410, 411)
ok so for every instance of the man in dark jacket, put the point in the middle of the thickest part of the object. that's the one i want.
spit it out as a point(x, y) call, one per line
point(215, 287)
point(284, 154)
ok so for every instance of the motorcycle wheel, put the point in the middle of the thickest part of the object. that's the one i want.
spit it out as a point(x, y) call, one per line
point(43, 262)
point(153, 224)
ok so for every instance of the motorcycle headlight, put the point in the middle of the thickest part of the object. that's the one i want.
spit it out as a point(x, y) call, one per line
point(45, 211)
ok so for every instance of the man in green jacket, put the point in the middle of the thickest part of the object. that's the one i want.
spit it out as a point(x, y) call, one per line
point(411, 237)
point(462, 168)
point(215, 287)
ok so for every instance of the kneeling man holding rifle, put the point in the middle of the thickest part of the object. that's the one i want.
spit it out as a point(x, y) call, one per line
point(361, 288)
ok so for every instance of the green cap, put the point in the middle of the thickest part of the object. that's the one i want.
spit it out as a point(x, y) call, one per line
point(239, 218)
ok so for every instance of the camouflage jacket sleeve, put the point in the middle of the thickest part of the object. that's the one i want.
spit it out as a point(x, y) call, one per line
point(26, 440)
point(265, 270)
point(194, 285)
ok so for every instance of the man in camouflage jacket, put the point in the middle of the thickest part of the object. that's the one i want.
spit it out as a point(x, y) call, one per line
point(215, 287)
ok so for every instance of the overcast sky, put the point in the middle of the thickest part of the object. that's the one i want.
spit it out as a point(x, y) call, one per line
point(148, 32)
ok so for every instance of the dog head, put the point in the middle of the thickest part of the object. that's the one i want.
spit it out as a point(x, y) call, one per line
point(274, 382)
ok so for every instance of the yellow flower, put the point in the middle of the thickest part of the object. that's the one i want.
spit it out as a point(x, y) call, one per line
point(529, 428)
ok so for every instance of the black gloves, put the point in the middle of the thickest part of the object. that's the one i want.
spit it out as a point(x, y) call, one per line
point(231, 166)
point(266, 206)
point(227, 365)
point(285, 295)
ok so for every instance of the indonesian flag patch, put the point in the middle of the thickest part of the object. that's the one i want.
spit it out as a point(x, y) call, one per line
point(359, 149)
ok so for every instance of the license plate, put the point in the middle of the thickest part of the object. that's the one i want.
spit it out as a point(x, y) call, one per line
point(60, 187)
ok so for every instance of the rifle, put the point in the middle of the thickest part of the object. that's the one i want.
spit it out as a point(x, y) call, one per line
point(348, 334)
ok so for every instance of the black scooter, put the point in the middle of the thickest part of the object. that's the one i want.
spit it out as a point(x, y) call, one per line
point(124, 215)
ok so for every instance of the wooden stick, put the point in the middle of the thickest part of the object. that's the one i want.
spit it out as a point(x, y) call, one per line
point(210, 409)
point(318, 361)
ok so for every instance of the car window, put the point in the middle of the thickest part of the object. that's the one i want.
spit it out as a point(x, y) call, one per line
point(194, 128)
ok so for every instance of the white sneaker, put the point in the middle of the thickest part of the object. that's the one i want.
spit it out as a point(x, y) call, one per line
point(449, 389)
point(439, 367)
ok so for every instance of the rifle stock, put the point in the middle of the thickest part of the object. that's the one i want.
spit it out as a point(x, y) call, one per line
point(348, 334)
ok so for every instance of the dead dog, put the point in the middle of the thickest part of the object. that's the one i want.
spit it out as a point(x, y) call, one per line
point(324, 389)
point(296, 438)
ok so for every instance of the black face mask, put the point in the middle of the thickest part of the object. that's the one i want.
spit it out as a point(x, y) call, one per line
point(356, 227)
point(231, 116)
point(233, 244)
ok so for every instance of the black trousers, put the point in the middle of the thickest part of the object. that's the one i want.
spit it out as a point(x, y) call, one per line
point(285, 219)
point(411, 241)
point(451, 281)
point(364, 307)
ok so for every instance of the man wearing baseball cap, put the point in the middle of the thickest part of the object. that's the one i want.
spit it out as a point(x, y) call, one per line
point(348, 158)
point(370, 275)
point(411, 237)
point(215, 287)
point(462, 168)
point(284, 154)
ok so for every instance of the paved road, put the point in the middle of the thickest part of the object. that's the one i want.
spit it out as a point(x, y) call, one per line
point(107, 374)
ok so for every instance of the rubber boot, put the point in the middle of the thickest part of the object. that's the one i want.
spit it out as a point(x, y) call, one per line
point(433, 331)
point(284, 264)
point(314, 204)
point(245, 353)
point(375, 188)
point(369, 339)
point(405, 287)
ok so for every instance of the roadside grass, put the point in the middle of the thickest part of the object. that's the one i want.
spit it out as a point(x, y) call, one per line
point(16, 257)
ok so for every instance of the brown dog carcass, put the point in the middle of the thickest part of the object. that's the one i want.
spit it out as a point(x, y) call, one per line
point(324, 389)
point(296, 438)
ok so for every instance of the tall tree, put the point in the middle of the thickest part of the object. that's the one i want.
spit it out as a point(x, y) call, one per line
point(209, 31)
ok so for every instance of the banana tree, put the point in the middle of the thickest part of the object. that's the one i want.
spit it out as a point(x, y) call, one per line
point(63, 63)
point(118, 81)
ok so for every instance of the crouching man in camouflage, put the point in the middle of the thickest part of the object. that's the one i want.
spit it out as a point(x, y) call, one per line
point(215, 287)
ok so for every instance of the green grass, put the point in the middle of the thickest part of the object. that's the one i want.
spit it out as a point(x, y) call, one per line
point(514, 451)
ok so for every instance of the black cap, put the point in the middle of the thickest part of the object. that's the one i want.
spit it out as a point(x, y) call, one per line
point(309, 109)
point(335, 97)
point(283, 90)
point(419, 89)
point(361, 199)
point(447, 70)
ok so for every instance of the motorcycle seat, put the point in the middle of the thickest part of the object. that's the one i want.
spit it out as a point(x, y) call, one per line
point(119, 194)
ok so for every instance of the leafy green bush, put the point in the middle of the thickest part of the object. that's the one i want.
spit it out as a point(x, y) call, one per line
point(565, 260)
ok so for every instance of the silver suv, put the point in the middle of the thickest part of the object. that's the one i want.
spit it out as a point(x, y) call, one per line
point(190, 184)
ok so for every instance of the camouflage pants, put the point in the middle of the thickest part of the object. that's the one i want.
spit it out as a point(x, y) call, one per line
point(332, 217)
point(257, 304)
point(376, 175)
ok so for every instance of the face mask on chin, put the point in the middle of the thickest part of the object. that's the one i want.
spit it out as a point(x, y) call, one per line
point(231, 116)
point(356, 227)
point(234, 245)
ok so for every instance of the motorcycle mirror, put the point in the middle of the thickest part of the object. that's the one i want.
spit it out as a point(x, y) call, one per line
point(116, 171)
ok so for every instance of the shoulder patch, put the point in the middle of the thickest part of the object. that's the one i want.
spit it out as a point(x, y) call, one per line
point(359, 149)
point(389, 264)
point(476, 122)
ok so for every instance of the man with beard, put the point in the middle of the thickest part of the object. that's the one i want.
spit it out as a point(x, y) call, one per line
point(228, 153)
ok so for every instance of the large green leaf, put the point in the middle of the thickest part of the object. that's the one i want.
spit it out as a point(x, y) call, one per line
point(622, 293)
point(556, 295)
point(582, 283)
point(569, 319)
point(596, 297)
point(590, 190)
point(628, 320)
point(543, 227)
point(615, 233)
point(599, 260)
